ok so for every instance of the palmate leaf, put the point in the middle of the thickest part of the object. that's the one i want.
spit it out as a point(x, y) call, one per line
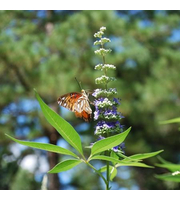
point(46, 147)
point(65, 165)
point(61, 125)
point(109, 142)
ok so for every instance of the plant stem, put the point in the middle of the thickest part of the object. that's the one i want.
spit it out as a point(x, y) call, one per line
point(107, 152)
point(107, 173)
point(105, 181)
point(103, 58)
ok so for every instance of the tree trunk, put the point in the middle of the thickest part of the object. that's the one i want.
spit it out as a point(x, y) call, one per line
point(53, 179)
point(53, 158)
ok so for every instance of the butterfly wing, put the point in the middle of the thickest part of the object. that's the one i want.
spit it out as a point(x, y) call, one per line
point(84, 115)
point(82, 108)
point(77, 103)
point(68, 100)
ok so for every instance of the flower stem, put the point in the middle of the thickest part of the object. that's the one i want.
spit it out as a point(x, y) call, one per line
point(103, 58)
point(107, 152)
point(105, 181)
point(107, 173)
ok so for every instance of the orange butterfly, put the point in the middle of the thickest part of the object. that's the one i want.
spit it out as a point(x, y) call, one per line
point(77, 103)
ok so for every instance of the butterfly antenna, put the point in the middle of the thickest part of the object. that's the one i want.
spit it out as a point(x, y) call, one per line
point(79, 83)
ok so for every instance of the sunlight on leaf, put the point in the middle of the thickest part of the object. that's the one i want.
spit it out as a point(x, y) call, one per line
point(46, 147)
point(61, 125)
point(120, 162)
point(65, 165)
point(109, 142)
point(145, 155)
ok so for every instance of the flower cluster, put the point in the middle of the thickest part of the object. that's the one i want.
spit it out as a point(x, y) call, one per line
point(105, 66)
point(104, 79)
point(106, 113)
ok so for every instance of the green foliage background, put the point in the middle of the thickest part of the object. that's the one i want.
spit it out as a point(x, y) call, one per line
point(46, 50)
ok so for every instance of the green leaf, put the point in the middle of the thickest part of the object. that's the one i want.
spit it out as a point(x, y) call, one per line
point(118, 156)
point(134, 164)
point(61, 125)
point(65, 165)
point(172, 167)
point(175, 120)
point(109, 142)
point(107, 158)
point(169, 177)
point(168, 165)
point(114, 155)
point(46, 147)
point(145, 155)
point(126, 158)
point(112, 171)
point(120, 162)
point(163, 161)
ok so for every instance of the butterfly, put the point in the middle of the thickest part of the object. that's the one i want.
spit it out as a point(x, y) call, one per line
point(77, 103)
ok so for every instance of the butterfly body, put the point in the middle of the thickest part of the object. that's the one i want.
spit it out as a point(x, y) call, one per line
point(77, 103)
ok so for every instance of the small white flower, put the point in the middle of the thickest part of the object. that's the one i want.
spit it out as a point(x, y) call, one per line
point(105, 126)
point(103, 28)
point(176, 173)
point(105, 103)
point(97, 42)
point(104, 40)
point(107, 93)
point(102, 51)
point(103, 79)
point(99, 66)
point(99, 34)
point(108, 66)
